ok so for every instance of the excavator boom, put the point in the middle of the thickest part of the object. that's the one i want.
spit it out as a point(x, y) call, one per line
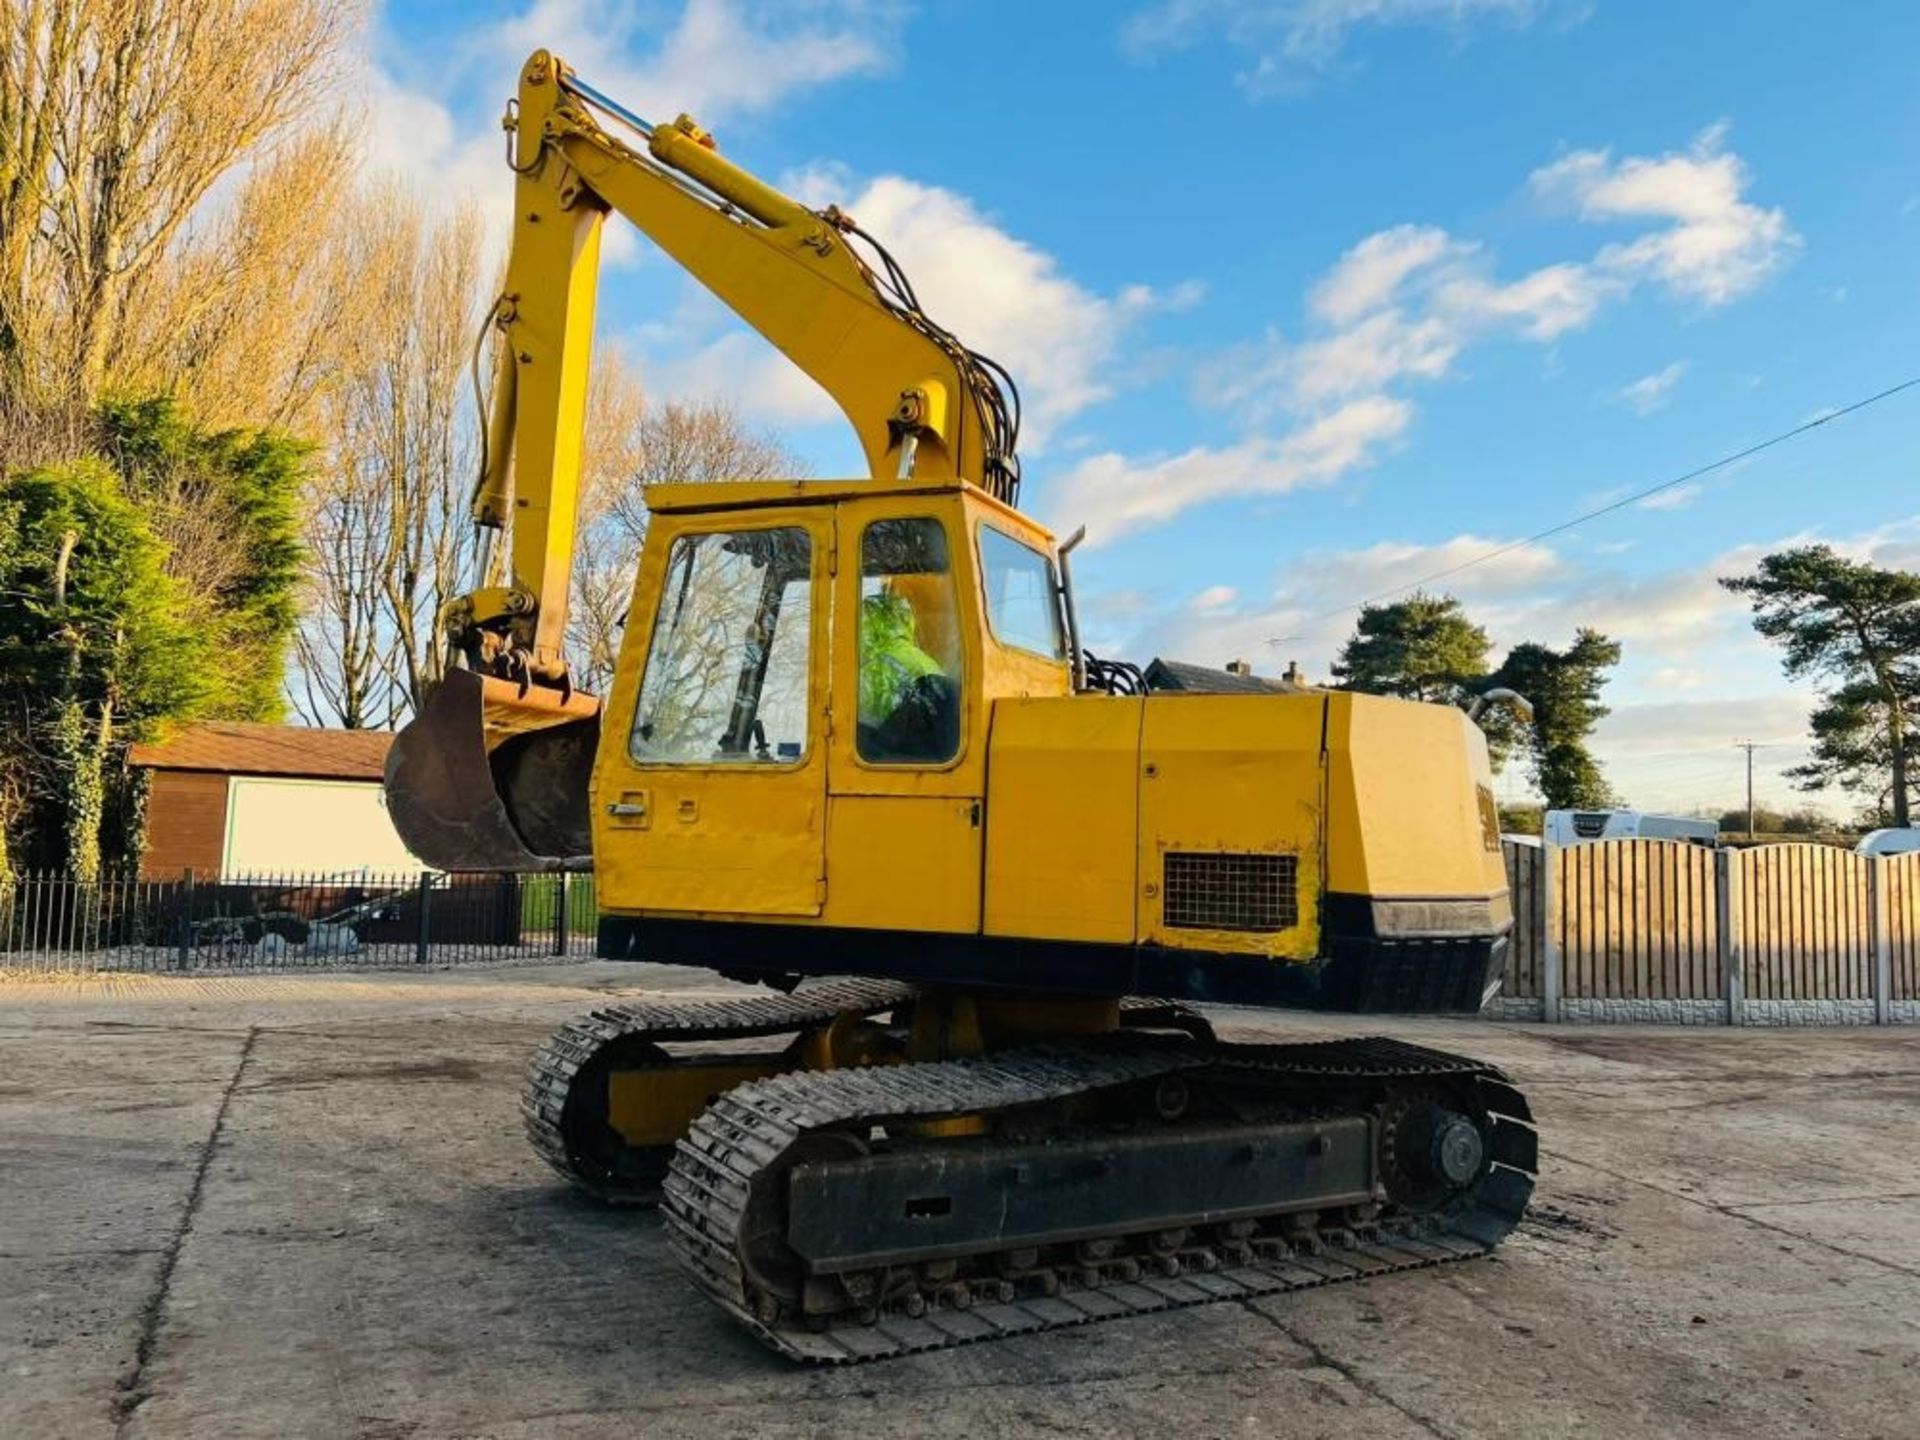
point(474, 776)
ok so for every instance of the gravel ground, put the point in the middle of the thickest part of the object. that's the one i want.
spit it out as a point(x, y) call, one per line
point(298, 1205)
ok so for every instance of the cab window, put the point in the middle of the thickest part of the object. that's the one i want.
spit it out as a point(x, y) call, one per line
point(909, 641)
point(726, 676)
point(1022, 608)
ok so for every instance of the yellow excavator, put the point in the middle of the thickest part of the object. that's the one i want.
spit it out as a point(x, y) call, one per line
point(854, 752)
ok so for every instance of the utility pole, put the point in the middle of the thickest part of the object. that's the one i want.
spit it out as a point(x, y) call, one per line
point(1749, 746)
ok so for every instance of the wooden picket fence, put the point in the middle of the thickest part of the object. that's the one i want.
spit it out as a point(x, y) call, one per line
point(1657, 920)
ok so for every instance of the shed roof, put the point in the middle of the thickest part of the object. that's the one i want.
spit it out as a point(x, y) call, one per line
point(241, 749)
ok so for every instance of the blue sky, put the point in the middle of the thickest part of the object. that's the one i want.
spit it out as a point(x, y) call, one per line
point(1310, 298)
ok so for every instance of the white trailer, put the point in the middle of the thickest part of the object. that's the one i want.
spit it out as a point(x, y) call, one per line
point(1577, 827)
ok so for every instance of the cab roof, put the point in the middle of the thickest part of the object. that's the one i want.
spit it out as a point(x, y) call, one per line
point(701, 495)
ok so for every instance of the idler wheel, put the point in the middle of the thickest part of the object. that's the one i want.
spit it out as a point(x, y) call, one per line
point(1442, 1147)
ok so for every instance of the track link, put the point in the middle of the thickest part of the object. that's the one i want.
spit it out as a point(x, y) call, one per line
point(556, 1066)
point(752, 1127)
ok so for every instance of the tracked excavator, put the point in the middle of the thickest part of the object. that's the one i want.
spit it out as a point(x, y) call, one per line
point(854, 752)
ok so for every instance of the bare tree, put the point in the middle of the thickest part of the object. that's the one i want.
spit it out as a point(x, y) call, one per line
point(244, 317)
point(118, 118)
point(606, 541)
point(388, 521)
point(343, 641)
point(630, 446)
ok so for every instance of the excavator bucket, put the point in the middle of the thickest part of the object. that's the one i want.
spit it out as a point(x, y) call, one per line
point(489, 776)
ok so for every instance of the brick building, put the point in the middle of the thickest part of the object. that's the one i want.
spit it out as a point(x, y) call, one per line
point(228, 799)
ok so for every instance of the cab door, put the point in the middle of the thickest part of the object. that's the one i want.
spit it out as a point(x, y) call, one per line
point(905, 817)
point(710, 795)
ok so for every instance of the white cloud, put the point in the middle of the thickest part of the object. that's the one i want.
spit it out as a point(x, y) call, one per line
point(1678, 498)
point(1542, 304)
point(725, 59)
point(436, 129)
point(1113, 494)
point(743, 371)
point(1005, 297)
point(1718, 245)
point(1694, 676)
point(719, 59)
point(1678, 677)
point(1289, 41)
point(414, 137)
point(1678, 727)
point(1294, 621)
point(1366, 357)
point(1679, 755)
point(1368, 277)
point(1651, 392)
point(1679, 629)
point(1402, 306)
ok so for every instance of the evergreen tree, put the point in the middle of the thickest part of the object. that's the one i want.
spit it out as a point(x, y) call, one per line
point(1564, 688)
point(1427, 648)
point(1857, 625)
point(1420, 648)
point(228, 505)
point(98, 643)
point(1853, 747)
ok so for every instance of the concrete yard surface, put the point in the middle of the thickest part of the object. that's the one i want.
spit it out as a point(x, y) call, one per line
point(302, 1205)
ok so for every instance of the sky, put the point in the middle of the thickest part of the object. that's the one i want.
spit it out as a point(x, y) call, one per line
point(1310, 299)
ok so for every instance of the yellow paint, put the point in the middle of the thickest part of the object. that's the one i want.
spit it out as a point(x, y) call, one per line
point(1063, 818)
point(788, 271)
point(716, 838)
point(791, 275)
point(655, 1106)
point(902, 862)
point(1055, 817)
point(1235, 774)
point(546, 321)
point(1403, 809)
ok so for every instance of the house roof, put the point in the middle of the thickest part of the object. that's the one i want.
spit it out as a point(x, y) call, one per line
point(1202, 679)
point(238, 749)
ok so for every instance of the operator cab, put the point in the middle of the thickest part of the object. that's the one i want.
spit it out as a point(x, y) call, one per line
point(809, 672)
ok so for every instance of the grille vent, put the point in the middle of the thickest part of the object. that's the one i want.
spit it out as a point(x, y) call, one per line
point(1231, 892)
point(1590, 825)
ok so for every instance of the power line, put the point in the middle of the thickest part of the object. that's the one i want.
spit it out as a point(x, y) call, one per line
point(1565, 525)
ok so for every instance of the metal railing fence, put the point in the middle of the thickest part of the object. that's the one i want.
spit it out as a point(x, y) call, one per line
point(52, 921)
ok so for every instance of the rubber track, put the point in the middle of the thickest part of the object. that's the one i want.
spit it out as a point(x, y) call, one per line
point(553, 1068)
point(749, 1127)
point(555, 1065)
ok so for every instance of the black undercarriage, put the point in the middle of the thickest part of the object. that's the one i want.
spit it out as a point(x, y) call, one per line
point(1361, 969)
point(891, 1205)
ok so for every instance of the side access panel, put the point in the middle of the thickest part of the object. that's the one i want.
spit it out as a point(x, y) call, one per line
point(904, 862)
point(1063, 818)
point(1232, 802)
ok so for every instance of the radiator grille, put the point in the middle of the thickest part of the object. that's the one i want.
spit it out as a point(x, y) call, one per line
point(1231, 892)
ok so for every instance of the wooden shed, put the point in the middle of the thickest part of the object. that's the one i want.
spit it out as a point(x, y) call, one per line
point(234, 799)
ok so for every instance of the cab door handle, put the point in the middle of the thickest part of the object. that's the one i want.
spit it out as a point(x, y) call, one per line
point(630, 809)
